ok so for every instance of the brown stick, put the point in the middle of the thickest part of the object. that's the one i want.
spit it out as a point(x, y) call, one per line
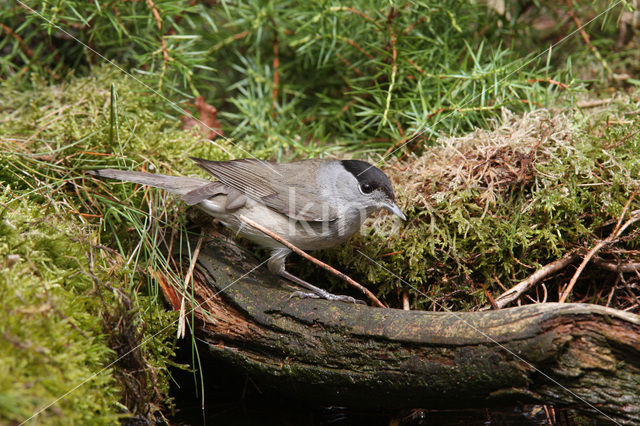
point(321, 264)
point(405, 301)
point(492, 301)
point(614, 235)
point(516, 291)
point(182, 318)
point(617, 267)
point(594, 103)
point(156, 14)
point(21, 42)
point(354, 44)
point(583, 264)
point(420, 70)
point(276, 76)
point(585, 37)
point(357, 12)
point(412, 26)
point(349, 65)
point(592, 253)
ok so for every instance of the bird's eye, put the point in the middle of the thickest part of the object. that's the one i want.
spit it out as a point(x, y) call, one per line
point(366, 188)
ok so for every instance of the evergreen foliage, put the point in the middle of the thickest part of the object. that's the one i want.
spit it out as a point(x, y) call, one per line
point(303, 76)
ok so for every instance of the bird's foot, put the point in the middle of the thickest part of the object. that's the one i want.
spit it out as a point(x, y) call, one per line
point(327, 296)
point(303, 295)
point(317, 292)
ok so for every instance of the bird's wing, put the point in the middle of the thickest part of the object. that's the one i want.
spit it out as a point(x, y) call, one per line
point(282, 187)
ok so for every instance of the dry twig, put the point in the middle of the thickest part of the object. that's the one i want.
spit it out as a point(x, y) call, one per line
point(548, 80)
point(626, 267)
point(360, 49)
point(276, 76)
point(394, 64)
point(586, 38)
point(156, 14)
point(21, 42)
point(357, 12)
point(406, 306)
point(492, 301)
point(182, 318)
point(592, 103)
point(617, 231)
point(523, 286)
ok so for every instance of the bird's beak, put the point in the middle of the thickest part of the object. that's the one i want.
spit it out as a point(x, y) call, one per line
point(393, 208)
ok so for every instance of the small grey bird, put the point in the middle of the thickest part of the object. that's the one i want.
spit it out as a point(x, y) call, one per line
point(313, 204)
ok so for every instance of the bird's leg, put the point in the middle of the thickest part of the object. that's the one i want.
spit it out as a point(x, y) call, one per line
point(276, 265)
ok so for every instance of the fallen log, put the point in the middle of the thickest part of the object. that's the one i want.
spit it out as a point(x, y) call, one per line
point(582, 356)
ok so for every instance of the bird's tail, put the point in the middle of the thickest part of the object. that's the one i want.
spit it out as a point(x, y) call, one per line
point(175, 184)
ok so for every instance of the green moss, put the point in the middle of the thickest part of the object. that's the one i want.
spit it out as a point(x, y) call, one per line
point(72, 307)
point(51, 333)
point(557, 187)
point(75, 120)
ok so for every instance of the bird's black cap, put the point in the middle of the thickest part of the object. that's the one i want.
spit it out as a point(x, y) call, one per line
point(366, 173)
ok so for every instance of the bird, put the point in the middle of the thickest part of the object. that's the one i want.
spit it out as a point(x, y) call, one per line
point(312, 203)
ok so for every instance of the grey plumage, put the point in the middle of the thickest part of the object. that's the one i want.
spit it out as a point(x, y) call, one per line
point(272, 185)
point(235, 198)
point(313, 204)
point(191, 190)
point(175, 184)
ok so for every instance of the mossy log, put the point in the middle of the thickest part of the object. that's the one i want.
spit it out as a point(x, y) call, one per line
point(576, 355)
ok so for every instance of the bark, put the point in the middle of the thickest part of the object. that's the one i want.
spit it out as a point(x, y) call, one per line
point(577, 355)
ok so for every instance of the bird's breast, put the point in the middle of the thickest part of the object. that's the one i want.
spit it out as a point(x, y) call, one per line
point(307, 235)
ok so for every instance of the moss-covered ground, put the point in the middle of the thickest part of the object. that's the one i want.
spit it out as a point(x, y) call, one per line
point(506, 155)
point(52, 330)
point(82, 337)
point(489, 208)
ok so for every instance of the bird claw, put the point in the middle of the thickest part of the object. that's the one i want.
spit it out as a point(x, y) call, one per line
point(303, 295)
point(327, 296)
